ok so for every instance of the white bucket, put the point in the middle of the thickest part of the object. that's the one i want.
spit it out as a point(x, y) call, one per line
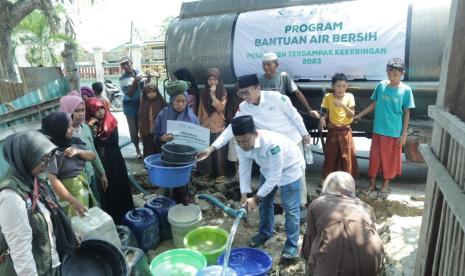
point(183, 219)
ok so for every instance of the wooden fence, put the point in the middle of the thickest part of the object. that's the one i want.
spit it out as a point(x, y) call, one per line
point(441, 249)
point(442, 240)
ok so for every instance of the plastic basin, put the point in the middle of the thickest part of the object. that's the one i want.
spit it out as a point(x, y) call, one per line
point(178, 262)
point(177, 154)
point(249, 261)
point(208, 240)
point(162, 175)
point(94, 258)
point(216, 270)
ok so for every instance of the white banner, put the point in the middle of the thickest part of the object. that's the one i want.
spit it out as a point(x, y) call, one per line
point(188, 134)
point(314, 42)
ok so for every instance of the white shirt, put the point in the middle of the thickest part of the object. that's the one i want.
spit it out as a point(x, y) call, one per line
point(280, 160)
point(274, 112)
point(14, 224)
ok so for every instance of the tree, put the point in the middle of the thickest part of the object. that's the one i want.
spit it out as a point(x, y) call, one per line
point(165, 24)
point(35, 33)
point(11, 14)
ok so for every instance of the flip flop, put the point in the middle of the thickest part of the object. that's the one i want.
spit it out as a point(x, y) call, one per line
point(219, 179)
point(288, 256)
point(369, 192)
point(383, 194)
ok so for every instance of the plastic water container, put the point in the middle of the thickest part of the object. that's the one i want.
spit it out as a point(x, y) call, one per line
point(136, 260)
point(144, 224)
point(96, 224)
point(216, 270)
point(126, 236)
point(183, 219)
point(178, 262)
point(162, 175)
point(161, 205)
point(249, 261)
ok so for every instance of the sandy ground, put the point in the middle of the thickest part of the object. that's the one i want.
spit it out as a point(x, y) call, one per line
point(398, 218)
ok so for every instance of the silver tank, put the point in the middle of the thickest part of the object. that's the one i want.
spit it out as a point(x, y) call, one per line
point(202, 36)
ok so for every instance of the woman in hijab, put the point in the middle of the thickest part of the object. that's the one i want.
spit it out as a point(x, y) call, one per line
point(117, 199)
point(341, 237)
point(177, 110)
point(193, 97)
point(66, 172)
point(30, 243)
point(87, 92)
point(211, 116)
point(75, 106)
point(151, 103)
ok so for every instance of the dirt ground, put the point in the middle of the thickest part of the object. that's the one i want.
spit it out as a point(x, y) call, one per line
point(398, 217)
point(403, 206)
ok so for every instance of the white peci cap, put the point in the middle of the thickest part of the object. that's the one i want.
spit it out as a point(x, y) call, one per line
point(269, 57)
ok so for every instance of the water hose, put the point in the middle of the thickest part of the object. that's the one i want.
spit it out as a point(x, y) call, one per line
point(131, 178)
point(228, 210)
point(136, 185)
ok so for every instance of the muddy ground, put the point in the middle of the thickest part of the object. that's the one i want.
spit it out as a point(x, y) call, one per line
point(398, 221)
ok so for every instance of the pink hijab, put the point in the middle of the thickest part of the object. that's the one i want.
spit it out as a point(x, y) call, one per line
point(70, 102)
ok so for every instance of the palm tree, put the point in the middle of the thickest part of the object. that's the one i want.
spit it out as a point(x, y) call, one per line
point(35, 33)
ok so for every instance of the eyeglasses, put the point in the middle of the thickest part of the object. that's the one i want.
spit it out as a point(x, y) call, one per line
point(243, 93)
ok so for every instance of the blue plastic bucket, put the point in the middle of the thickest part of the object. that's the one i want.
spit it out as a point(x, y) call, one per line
point(144, 224)
point(161, 175)
point(161, 205)
point(249, 261)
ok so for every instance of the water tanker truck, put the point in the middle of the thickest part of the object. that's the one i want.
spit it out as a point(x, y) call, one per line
point(314, 40)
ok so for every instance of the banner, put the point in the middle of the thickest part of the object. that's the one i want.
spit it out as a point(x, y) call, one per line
point(188, 134)
point(314, 42)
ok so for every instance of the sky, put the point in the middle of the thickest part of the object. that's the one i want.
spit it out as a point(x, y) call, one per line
point(107, 23)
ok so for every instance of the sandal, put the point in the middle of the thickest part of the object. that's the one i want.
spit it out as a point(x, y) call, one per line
point(257, 241)
point(219, 179)
point(205, 177)
point(288, 256)
point(369, 192)
point(384, 194)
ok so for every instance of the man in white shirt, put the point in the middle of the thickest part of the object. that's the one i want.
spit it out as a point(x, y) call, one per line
point(281, 164)
point(280, 81)
point(270, 111)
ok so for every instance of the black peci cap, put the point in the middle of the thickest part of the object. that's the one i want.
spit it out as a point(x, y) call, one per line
point(243, 125)
point(247, 80)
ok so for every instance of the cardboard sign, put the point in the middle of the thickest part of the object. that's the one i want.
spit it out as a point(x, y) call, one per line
point(188, 134)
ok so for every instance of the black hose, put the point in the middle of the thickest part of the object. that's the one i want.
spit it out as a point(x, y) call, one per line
point(131, 178)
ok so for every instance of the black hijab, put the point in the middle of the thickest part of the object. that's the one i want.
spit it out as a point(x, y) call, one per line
point(55, 126)
point(23, 151)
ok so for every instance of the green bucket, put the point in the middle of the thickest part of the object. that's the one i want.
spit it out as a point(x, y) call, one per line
point(209, 240)
point(178, 262)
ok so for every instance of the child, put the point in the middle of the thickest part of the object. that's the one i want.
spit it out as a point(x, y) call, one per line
point(66, 172)
point(392, 100)
point(117, 199)
point(339, 108)
point(151, 103)
point(211, 115)
point(98, 90)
